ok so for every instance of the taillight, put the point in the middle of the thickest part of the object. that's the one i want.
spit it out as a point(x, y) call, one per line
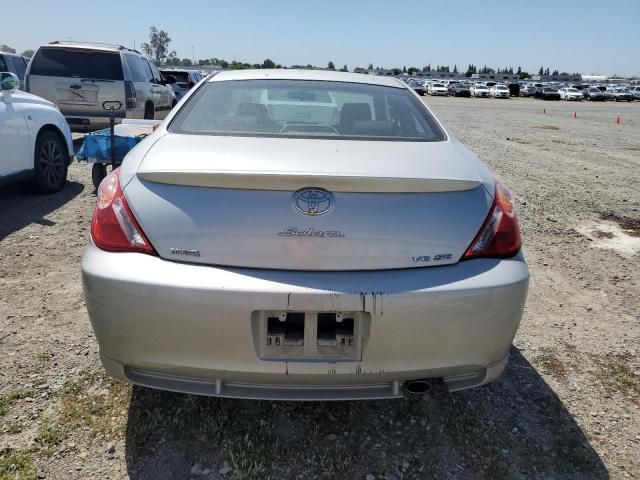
point(113, 226)
point(130, 95)
point(500, 233)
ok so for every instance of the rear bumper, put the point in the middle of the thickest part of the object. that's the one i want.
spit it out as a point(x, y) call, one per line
point(188, 328)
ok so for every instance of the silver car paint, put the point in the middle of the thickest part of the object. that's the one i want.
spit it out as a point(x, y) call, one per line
point(187, 327)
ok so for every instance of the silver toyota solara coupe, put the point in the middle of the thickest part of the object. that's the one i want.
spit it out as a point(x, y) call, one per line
point(304, 235)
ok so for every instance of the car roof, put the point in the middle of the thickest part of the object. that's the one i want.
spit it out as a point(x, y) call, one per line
point(88, 46)
point(293, 74)
point(178, 70)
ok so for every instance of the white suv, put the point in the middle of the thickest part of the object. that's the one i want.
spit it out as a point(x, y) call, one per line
point(35, 138)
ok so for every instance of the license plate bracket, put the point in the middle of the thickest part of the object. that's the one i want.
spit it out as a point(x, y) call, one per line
point(295, 335)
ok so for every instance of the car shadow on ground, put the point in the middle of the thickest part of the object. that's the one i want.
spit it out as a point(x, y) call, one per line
point(514, 428)
point(21, 206)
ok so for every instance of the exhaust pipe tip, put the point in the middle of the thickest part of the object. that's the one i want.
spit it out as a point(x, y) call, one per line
point(417, 388)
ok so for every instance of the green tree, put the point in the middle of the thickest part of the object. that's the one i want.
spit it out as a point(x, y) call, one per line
point(158, 46)
point(268, 63)
point(28, 53)
point(7, 49)
point(455, 69)
point(370, 67)
point(331, 66)
point(344, 69)
point(519, 71)
point(186, 62)
point(541, 71)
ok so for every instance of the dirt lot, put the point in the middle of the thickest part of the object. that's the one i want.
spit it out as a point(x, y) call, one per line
point(568, 406)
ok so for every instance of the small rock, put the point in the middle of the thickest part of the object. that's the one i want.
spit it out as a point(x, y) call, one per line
point(111, 448)
point(331, 437)
point(83, 455)
point(225, 470)
point(206, 471)
point(196, 469)
point(370, 476)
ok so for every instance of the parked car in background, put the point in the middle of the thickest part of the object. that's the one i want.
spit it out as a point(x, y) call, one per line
point(316, 300)
point(528, 90)
point(185, 80)
point(16, 64)
point(593, 94)
point(418, 86)
point(514, 89)
point(622, 94)
point(479, 90)
point(635, 91)
point(547, 93)
point(499, 91)
point(35, 139)
point(570, 93)
point(79, 77)
point(436, 88)
point(459, 90)
point(608, 93)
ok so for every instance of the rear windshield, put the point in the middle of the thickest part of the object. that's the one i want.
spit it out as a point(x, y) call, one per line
point(182, 77)
point(58, 62)
point(306, 109)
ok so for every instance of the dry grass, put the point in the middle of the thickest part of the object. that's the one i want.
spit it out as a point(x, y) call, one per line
point(7, 400)
point(16, 465)
point(617, 375)
point(550, 362)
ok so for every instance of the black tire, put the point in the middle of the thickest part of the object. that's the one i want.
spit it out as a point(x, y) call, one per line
point(98, 172)
point(51, 162)
point(149, 111)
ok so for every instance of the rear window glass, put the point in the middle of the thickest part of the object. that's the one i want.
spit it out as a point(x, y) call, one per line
point(137, 75)
point(21, 66)
point(181, 77)
point(306, 109)
point(59, 62)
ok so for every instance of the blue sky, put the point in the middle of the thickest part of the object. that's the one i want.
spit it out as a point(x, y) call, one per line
point(587, 36)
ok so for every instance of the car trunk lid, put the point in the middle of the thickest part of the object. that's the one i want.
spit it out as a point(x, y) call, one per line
point(232, 201)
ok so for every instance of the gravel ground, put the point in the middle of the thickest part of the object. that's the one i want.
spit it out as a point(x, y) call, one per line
point(568, 406)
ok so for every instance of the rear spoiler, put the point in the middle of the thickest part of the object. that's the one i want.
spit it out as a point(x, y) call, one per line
point(291, 181)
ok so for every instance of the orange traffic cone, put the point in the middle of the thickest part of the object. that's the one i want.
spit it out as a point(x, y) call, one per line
point(618, 120)
point(574, 115)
